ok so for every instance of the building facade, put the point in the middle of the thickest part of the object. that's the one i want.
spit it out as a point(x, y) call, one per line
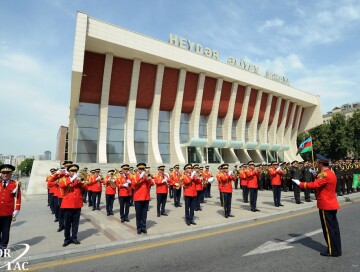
point(345, 109)
point(137, 99)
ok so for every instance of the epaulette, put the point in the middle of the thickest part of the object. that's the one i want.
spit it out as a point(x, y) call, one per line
point(322, 175)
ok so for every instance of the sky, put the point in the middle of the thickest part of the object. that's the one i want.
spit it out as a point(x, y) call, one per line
point(315, 44)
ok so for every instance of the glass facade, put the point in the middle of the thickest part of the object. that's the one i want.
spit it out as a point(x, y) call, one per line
point(115, 134)
point(86, 132)
point(233, 130)
point(203, 126)
point(247, 132)
point(219, 125)
point(141, 133)
point(164, 135)
point(184, 128)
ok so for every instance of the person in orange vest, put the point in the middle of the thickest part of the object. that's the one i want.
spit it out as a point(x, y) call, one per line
point(141, 185)
point(50, 187)
point(110, 191)
point(123, 182)
point(10, 194)
point(325, 186)
point(71, 188)
point(96, 187)
point(189, 180)
point(225, 179)
point(175, 180)
point(162, 183)
point(275, 173)
point(244, 183)
point(252, 176)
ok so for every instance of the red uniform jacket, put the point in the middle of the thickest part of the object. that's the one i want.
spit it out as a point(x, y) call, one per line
point(243, 178)
point(161, 188)
point(275, 176)
point(109, 190)
point(55, 179)
point(189, 185)
point(224, 180)
point(96, 185)
point(175, 178)
point(199, 185)
point(51, 184)
point(89, 178)
point(72, 198)
point(252, 178)
point(325, 186)
point(123, 190)
point(141, 187)
point(7, 199)
point(206, 175)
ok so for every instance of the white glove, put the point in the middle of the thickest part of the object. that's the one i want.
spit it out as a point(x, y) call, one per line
point(98, 178)
point(126, 184)
point(176, 184)
point(278, 169)
point(15, 213)
point(128, 181)
point(73, 177)
point(142, 174)
point(164, 180)
point(230, 172)
point(312, 171)
point(296, 181)
point(193, 174)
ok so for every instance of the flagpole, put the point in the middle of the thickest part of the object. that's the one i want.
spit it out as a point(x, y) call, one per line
point(312, 152)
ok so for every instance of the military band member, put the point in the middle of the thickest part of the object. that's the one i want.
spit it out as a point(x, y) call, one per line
point(307, 176)
point(123, 182)
point(132, 173)
point(84, 190)
point(162, 183)
point(325, 185)
point(50, 186)
point(275, 173)
point(295, 173)
point(110, 191)
point(96, 187)
point(175, 180)
point(199, 187)
point(204, 184)
point(189, 180)
point(225, 179)
point(219, 187)
point(236, 175)
point(10, 194)
point(71, 186)
point(252, 176)
point(207, 175)
point(171, 186)
point(244, 183)
point(89, 187)
point(141, 185)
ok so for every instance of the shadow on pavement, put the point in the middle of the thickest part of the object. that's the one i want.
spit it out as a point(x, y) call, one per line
point(32, 241)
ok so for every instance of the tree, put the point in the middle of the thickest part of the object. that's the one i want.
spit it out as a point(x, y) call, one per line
point(26, 166)
point(353, 125)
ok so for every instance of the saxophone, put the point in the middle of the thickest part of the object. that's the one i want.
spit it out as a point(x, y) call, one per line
point(111, 180)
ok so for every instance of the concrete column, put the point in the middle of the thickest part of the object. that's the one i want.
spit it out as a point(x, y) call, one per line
point(294, 133)
point(176, 155)
point(212, 120)
point(263, 129)
point(280, 132)
point(104, 108)
point(129, 147)
point(195, 115)
point(273, 126)
point(240, 127)
point(287, 137)
point(253, 126)
point(153, 144)
point(228, 120)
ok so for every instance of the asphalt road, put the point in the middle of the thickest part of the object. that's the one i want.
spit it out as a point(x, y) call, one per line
point(224, 249)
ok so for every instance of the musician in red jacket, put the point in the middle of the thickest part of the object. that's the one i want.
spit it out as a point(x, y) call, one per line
point(123, 182)
point(50, 187)
point(110, 191)
point(71, 188)
point(225, 180)
point(141, 185)
point(275, 173)
point(10, 195)
point(162, 183)
point(189, 180)
point(252, 176)
point(244, 183)
point(96, 187)
point(325, 186)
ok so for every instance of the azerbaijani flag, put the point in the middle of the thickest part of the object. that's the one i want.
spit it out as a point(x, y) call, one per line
point(305, 146)
point(356, 181)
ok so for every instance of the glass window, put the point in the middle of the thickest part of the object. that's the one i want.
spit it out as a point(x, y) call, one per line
point(116, 123)
point(141, 158)
point(115, 158)
point(141, 136)
point(87, 121)
point(141, 148)
point(233, 130)
point(164, 126)
point(115, 147)
point(164, 115)
point(164, 149)
point(87, 147)
point(164, 138)
point(141, 125)
point(219, 124)
point(116, 111)
point(87, 134)
point(88, 109)
point(184, 138)
point(165, 158)
point(90, 158)
point(141, 114)
point(114, 135)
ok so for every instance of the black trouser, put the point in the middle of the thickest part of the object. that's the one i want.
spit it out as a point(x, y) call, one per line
point(177, 197)
point(267, 184)
point(161, 201)
point(208, 190)
point(90, 197)
point(261, 184)
point(331, 231)
point(56, 207)
point(284, 184)
point(227, 203)
point(307, 194)
point(349, 183)
point(5, 224)
point(51, 202)
point(61, 214)
point(72, 218)
point(245, 193)
point(141, 208)
point(190, 203)
point(198, 199)
point(124, 206)
point(171, 191)
point(236, 183)
point(109, 203)
point(96, 196)
point(48, 197)
point(277, 194)
point(84, 194)
point(202, 197)
point(253, 198)
point(221, 198)
point(296, 189)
